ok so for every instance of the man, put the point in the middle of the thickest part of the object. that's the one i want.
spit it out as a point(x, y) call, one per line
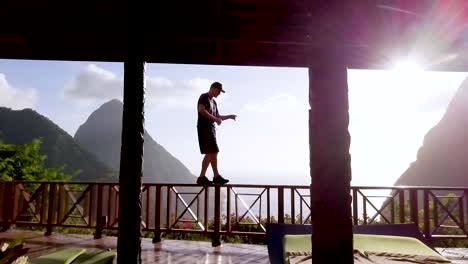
point(208, 115)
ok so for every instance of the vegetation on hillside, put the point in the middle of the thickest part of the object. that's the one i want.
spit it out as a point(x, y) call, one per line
point(25, 163)
point(23, 126)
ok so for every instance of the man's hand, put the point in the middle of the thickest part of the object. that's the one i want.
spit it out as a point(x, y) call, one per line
point(218, 120)
point(233, 117)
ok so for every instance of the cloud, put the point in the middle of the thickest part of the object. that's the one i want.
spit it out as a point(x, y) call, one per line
point(180, 94)
point(94, 83)
point(16, 98)
point(98, 84)
point(279, 102)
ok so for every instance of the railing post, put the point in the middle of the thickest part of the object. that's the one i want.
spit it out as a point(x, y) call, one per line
point(60, 204)
point(364, 211)
point(168, 208)
point(414, 206)
point(462, 214)
point(401, 202)
point(293, 204)
point(100, 220)
point(8, 201)
point(281, 205)
point(466, 208)
point(435, 214)
point(43, 189)
point(207, 208)
point(157, 216)
point(427, 223)
point(355, 207)
point(216, 239)
point(228, 210)
point(50, 214)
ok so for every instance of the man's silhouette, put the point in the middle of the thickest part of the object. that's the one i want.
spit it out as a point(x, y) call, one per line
point(208, 115)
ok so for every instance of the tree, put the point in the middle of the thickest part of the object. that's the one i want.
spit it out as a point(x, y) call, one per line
point(23, 162)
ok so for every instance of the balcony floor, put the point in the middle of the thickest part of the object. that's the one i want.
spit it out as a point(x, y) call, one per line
point(172, 251)
point(169, 251)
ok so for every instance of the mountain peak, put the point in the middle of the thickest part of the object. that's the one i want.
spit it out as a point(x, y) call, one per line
point(114, 103)
point(108, 114)
point(101, 134)
point(442, 159)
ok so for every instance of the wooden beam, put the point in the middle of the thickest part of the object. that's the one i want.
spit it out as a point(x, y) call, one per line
point(131, 157)
point(330, 162)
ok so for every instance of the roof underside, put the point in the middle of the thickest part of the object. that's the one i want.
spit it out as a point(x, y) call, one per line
point(291, 33)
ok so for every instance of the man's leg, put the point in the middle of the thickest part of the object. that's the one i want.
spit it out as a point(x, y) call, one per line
point(214, 164)
point(203, 140)
point(205, 163)
point(217, 179)
point(202, 179)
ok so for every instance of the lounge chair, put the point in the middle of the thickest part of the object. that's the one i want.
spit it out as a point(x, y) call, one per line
point(75, 256)
point(61, 256)
point(281, 238)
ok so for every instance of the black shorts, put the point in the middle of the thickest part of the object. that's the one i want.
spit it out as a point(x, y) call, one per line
point(207, 139)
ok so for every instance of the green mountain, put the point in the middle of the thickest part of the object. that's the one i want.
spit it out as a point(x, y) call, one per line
point(101, 135)
point(22, 126)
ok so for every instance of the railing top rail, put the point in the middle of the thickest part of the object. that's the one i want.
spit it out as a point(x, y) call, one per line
point(173, 184)
point(400, 187)
point(404, 187)
point(64, 182)
point(230, 185)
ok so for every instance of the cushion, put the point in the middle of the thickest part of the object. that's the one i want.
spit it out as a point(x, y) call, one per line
point(61, 256)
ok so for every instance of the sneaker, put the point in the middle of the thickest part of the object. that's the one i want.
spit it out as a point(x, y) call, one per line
point(203, 180)
point(219, 180)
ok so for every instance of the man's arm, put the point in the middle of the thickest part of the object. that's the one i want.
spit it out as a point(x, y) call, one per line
point(205, 113)
point(225, 117)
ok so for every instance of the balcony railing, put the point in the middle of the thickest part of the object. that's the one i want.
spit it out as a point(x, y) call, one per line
point(229, 210)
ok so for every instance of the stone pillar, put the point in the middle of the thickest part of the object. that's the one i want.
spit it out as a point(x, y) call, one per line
point(330, 162)
point(131, 157)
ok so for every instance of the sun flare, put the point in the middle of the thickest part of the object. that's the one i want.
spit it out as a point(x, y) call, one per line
point(407, 66)
point(407, 72)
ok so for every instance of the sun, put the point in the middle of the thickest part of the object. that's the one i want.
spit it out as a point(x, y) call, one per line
point(407, 66)
point(407, 72)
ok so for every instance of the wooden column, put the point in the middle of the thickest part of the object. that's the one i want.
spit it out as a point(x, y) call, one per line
point(131, 157)
point(330, 168)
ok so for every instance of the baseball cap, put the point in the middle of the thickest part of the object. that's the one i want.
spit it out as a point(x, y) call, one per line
point(218, 85)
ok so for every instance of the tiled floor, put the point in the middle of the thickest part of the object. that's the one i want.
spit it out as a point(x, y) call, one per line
point(173, 251)
point(167, 252)
point(457, 255)
point(176, 251)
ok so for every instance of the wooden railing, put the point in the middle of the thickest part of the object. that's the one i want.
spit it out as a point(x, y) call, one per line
point(230, 210)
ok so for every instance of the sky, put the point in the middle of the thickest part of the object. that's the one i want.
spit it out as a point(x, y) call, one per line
point(390, 112)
